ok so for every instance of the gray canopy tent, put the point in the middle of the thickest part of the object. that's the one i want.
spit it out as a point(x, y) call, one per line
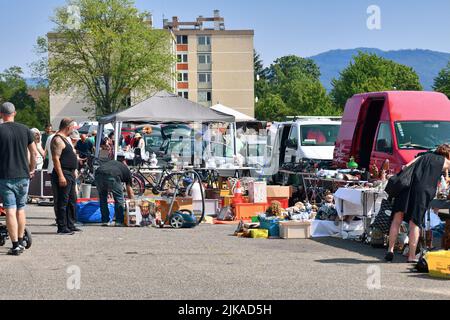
point(163, 107)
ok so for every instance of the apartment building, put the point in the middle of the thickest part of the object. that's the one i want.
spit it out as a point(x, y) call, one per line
point(214, 65)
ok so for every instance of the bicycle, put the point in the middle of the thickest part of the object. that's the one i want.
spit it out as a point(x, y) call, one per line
point(141, 182)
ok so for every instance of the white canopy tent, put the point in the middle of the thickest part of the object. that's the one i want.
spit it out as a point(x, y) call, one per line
point(239, 116)
point(162, 107)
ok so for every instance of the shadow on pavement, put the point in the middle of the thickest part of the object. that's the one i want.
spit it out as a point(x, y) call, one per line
point(359, 248)
point(348, 261)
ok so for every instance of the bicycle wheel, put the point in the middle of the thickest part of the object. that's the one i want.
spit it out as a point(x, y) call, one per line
point(137, 185)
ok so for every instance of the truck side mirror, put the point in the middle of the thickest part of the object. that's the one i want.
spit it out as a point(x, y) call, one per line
point(292, 144)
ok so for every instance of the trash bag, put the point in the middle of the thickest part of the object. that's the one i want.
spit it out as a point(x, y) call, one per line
point(89, 212)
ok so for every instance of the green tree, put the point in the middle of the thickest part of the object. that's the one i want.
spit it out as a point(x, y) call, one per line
point(292, 87)
point(106, 53)
point(290, 67)
point(442, 81)
point(261, 84)
point(13, 88)
point(371, 73)
point(272, 108)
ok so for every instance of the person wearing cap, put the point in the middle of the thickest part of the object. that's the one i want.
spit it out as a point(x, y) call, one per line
point(74, 138)
point(65, 163)
point(16, 142)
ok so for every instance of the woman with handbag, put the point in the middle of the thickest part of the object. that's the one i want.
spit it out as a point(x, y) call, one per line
point(414, 200)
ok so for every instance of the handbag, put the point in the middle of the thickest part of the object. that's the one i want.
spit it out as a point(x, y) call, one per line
point(400, 182)
point(383, 219)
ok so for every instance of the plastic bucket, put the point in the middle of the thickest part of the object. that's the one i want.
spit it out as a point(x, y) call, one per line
point(86, 191)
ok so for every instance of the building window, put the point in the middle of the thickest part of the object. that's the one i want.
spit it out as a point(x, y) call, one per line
point(204, 59)
point(204, 40)
point(182, 39)
point(204, 77)
point(204, 96)
point(182, 58)
point(183, 77)
point(183, 94)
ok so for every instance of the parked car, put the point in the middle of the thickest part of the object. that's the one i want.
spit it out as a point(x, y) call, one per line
point(394, 125)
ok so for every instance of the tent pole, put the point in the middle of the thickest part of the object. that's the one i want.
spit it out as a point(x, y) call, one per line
point(98, 142)
point(116, 139)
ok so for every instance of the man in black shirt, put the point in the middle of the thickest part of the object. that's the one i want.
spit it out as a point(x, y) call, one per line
point(109, 178)
point(16, 141)
point(65, 163)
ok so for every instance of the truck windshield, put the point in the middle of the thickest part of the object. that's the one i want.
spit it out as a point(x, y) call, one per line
point(319, 135)
point(422, 135)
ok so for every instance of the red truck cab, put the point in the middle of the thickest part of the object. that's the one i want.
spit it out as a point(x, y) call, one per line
point(393, 125)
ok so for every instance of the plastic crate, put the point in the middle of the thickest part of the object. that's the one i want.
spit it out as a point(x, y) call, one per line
point(259, 233)
point(284, 202)
point(439, 264)
point(245, 211)
point(272, 225)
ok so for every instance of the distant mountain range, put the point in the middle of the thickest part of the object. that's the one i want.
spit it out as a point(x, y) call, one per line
point(426, 63)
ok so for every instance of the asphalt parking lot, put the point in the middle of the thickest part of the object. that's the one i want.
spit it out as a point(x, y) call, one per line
point(204, 263)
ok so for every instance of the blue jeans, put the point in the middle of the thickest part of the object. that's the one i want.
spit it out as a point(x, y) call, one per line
point(106, 184)
point(14, 193)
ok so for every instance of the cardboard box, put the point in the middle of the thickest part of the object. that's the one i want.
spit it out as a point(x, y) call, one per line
point(211, 206)
point(279, 192)
point(295, 230)
point(133, 215)
point(257, 192)
point(180, 204)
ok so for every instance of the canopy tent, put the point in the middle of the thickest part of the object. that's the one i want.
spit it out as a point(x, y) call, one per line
point(167, 107)
point(163, 107)
point(239, 116)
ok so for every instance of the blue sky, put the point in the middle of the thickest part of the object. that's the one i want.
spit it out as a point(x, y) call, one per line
point(282, 27)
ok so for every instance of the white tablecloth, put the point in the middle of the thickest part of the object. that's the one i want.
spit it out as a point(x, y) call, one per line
point(349, 202)
point(320, 229)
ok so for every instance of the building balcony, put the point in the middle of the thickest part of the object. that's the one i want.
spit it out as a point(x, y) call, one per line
point(204, 85)
point(204, 48)
point(204, 67)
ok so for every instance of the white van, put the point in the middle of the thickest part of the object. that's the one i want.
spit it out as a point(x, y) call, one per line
point(303, 138)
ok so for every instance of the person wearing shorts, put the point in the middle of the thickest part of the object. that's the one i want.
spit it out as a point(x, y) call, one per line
point(16, 141)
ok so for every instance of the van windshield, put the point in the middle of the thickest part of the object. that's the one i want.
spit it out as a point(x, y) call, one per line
point(319, 135)
point(422, 135)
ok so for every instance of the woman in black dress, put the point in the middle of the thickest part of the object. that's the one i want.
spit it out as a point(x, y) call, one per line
point(411, 205)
